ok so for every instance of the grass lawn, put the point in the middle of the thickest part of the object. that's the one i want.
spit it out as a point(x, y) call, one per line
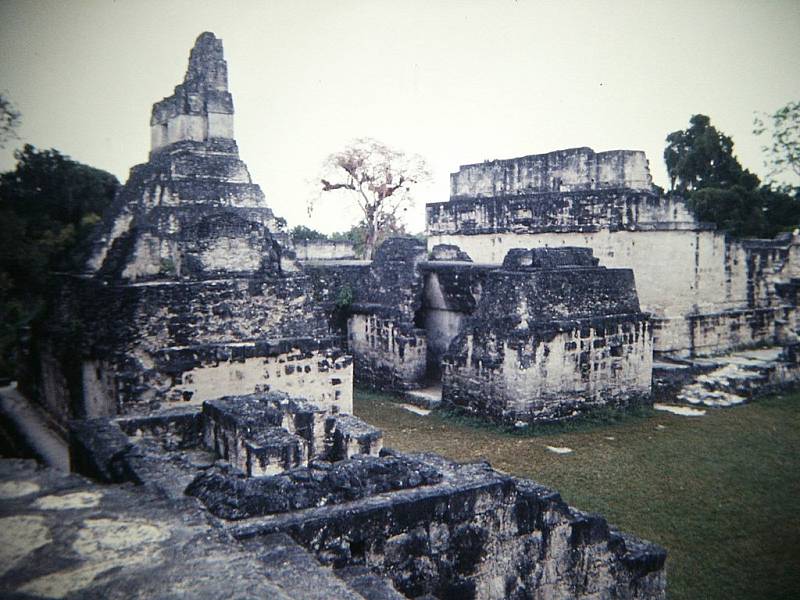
point(720, 492)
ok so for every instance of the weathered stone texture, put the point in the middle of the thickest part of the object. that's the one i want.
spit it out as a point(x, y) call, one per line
point(576, 169)
point(388, 354)
point(380, 303)
point(190, 291)
point(552, 336)
point(64, 537)
point(707, 293)
point(428, 525)
point(476, 534)
point(324, 250)
point(201, 107)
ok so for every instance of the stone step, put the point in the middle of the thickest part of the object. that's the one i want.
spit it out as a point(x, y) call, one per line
point(732, 379)
point(296, 572)
point(429, 397)
point(699, 394)
point(368, 584)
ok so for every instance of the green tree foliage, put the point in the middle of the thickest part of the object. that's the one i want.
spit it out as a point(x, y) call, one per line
point(301, 233)
point(48, 205)
point(701, 157)
point(359, 235)
point(783, 151)
point(760, 213)
point(703, 169)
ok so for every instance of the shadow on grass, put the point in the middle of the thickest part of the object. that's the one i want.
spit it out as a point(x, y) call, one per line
point(584, 423)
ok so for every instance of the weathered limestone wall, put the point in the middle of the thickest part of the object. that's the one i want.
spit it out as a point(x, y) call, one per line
point(336, 285)
point(324, 250)
point(379, 304)
point(683, 277)
point(190, 290)
point(579, 211)
point(553, 336)
point(550, 379)
point(386, 354)
point(324, 380)
point(695, 281)
point(476, 535)
point(563, 170)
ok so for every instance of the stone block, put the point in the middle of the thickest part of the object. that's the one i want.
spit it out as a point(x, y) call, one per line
point(349, 435)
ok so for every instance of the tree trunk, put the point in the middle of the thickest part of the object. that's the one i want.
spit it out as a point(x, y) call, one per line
point(370, 236)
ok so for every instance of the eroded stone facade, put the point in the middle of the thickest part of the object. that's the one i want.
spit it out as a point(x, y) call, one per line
point(553, 336)
point(191, 291)
point(416, 522)
point(707, 293)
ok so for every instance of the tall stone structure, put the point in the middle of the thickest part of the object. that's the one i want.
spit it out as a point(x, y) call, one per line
point(189, 291)
point(707, 293)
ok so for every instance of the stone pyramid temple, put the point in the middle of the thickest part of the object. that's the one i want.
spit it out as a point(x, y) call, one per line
point(190, 291)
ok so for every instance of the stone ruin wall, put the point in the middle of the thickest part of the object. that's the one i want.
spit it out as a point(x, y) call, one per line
point(190, 289)
point(553, 336)
point(376, 308)
point(555, 378)
point(421, 523)
point(324, 250)
point(562, 170)
point(706, 292)
point(445, 320)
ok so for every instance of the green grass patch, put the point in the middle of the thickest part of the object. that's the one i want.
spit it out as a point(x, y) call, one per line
point(720, 492)
point(585, 422)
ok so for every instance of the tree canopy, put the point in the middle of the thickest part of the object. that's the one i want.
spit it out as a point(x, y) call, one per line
point(357, 235)
point(301, 233)
point(782, 153)
point(379, 179)
point(703, 168)
point(701, 156)
point(48, 205)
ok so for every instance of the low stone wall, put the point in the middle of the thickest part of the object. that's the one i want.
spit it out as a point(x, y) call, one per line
point(478, 535)
point(553, 336)
point(741, 329)
point(386, 354)
point(323, 377)
point(324, 250)
point(593, 364)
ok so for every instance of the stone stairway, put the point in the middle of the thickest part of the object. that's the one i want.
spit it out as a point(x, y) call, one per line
point(731, 379)
point(428, 397)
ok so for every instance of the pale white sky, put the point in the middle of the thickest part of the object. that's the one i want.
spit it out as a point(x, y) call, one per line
point(457, 82)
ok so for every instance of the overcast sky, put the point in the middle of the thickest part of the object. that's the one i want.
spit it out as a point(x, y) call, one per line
point(457, 82)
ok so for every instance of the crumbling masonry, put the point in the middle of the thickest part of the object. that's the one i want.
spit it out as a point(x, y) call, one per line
point(189, 292)
point(196, 356)
point(706, 293)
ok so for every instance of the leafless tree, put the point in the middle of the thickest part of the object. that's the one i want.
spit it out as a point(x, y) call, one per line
point(9, 120)
point(378, 178)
